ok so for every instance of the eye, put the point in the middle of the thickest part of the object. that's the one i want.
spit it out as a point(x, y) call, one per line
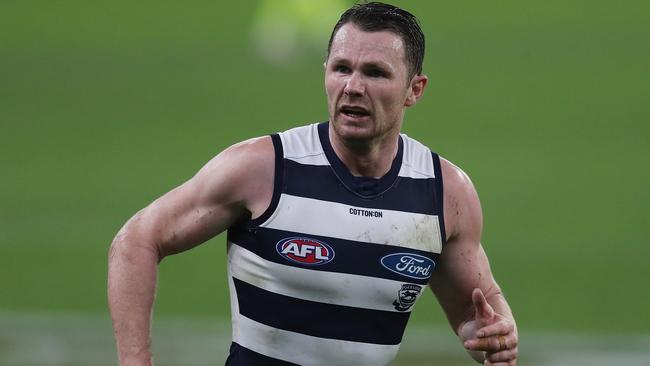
point(342, 69)
point(376, 73)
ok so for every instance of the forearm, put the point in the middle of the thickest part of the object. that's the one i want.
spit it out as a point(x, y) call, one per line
point(132, 271)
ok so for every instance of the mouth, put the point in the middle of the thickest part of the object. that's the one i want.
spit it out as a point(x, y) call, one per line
point(355, 112)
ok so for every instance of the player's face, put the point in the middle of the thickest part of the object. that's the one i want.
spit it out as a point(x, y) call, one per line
point(367, 84)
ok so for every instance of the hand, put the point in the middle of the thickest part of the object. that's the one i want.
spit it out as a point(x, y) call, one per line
point(495, 334)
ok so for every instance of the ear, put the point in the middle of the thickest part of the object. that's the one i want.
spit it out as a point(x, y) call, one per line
point(416, 89)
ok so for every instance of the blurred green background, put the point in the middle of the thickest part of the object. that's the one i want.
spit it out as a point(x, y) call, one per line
point(104, 106)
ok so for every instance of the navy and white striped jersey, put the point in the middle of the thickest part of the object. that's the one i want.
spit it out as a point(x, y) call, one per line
point(328, 275)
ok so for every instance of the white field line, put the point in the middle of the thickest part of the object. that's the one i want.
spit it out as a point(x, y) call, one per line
point(51, 339)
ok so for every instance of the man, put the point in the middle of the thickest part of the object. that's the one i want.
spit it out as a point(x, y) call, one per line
point(334, 229)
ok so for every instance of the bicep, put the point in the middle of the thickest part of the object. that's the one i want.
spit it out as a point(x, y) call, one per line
point(207, 204)
point(184, 217)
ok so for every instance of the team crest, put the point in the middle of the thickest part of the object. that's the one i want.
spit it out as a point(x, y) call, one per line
point(406, 296)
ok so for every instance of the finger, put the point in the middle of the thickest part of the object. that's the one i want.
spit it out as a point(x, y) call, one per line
point(494, 329)
point(488, 363)
point(502, 356)
point(512, 362)
point(483, 309)
point(488, 344)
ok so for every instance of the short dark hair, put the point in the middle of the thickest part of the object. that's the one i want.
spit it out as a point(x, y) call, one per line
point(375, 17)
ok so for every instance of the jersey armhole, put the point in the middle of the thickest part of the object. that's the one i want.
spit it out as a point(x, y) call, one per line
point(277, 182)
point(439, 196)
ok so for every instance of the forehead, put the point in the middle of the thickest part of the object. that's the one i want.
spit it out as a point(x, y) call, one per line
point(351, 42)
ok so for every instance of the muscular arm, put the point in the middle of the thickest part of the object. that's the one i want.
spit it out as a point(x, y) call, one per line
point(464, 268)
point(236, 182)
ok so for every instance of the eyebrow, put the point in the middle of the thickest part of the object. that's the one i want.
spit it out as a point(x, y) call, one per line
point(371, 64)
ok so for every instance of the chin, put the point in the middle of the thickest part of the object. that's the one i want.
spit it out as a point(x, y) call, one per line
point(354, 131)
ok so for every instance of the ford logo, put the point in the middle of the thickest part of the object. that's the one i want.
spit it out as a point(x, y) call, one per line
point(305, 251)
point(409, 265)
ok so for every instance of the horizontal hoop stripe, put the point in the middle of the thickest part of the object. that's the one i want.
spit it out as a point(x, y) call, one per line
point(365, 187)
point(308, 350)
point(330, 273)
point(309, 181)
point(318, 319)
point(240, 355)
point(397, 228)
point(319, 286)
point(352, 257)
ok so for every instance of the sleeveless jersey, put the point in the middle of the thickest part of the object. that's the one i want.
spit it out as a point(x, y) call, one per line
point(328, 275)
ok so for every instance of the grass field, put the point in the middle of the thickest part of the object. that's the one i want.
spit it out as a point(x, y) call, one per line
point(104, 107)
point(76, 340)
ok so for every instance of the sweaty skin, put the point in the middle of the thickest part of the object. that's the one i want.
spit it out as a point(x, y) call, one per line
point(368, 88)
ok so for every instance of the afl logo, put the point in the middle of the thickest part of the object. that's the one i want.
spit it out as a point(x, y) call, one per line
point(305, 251)
point(409, 265)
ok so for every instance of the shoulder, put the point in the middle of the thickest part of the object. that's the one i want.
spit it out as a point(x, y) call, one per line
point(240, 174)
point(457, 182)
point(462, 208)
point(255, 152)
point(241, 158)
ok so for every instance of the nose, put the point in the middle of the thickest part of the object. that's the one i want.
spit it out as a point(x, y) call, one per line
point(354, 85)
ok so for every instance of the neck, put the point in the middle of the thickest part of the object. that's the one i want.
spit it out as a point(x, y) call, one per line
point(371, 159)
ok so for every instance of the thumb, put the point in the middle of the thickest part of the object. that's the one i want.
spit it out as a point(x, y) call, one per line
point(483, 310)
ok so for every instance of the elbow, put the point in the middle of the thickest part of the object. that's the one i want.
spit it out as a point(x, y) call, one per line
point(117, 247)
point(131, 245)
